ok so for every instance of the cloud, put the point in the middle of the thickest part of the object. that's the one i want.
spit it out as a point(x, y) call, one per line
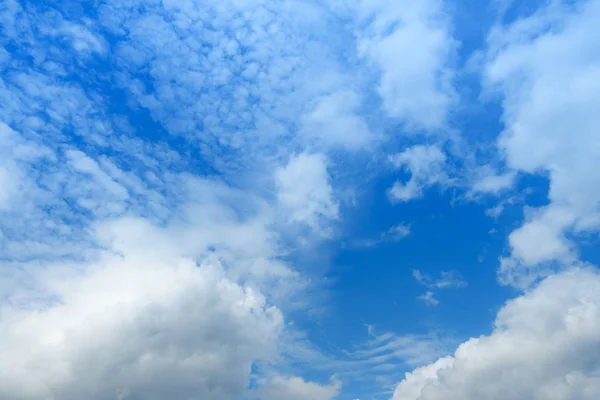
point(134, 325)
point(393, 234)
point(298, 389)
point(335, 121)
point(396, 233)
point(256, 88)
point(426, 164)
point(546, 67)
point(429, 299)
point(488, 181)
point(413, 384)
point(139, 306)
point(545, 345)
point(141, 275)
point(10, 171)
point(304, 190)
point(412, 45)
point(376, 363)
point(447, 280)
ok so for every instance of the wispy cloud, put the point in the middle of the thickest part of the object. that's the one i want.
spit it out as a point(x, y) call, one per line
point(393, 234)
point(429, 299)
point(380, 359)
point(447, 280)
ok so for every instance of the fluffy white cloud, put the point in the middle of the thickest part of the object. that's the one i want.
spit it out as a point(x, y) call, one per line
point(303, 189)
point(298, 389)
point(545, 346)
point(426, 164)
point(411, 43)
point(413, 384)
point(488, 181)
point(335, 121)
point(139, 324)
point(547, 67)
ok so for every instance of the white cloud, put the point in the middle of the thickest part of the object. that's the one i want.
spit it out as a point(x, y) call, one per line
point(304, 190)
point(259, 87)
point(547, 67)
point(380, 359)
point(489, 181)
point(447, 280)
point(397, 232)
point(388, 349)
point(413, 384)
point(426, 165)
point(545, 345)
point(134, 325)
point(83, 40)
point(412, 45)
point(9, 170)
point(393, 234)
point(295, 388)
point(539, 239)
point(429, 299)
point(335, 121)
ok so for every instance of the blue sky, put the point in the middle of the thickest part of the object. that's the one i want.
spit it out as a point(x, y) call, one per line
point(285, 199)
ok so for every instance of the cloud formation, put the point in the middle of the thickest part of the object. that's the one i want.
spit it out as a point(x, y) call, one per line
point(412, 45)
point(138, 329)
point(297, 389)
point(546, 68)
point(426, 165)
point(545, 345)
point(447, 280)
point(303, 189)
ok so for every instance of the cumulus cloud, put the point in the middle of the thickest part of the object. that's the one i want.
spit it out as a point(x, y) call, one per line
point(413, 384)
point(335, 121)
point(412, 45)
point(134, 325)
point(123, 273)
point(545, 345)
point(304, 190)
point(295, 388)
point(546, 68)
point(142, 309)
point(426, 165)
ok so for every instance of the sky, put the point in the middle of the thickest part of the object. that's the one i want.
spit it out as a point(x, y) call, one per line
point(299, 200)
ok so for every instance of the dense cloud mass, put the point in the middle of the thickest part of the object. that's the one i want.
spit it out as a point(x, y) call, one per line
point(545, 345)
point(139, 324)
point(298, 389)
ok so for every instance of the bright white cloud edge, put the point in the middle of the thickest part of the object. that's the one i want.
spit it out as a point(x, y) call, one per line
point(545, 346)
